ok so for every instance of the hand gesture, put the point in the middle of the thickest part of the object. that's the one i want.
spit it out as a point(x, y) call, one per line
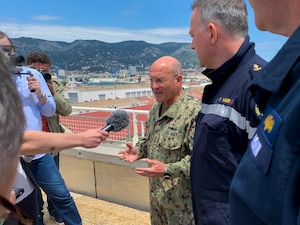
point(156, 169)
point(130, 154)
point(34, 85)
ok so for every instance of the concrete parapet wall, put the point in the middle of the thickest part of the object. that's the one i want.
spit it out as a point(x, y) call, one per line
point(101, 174)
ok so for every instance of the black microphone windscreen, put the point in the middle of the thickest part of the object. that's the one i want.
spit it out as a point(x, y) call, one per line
point(118, 120)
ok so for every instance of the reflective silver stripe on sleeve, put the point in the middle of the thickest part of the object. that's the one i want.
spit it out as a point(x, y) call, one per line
point(231, 114)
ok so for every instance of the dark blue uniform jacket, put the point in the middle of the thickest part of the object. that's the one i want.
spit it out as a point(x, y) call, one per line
point(266, 186)
point(225, 124)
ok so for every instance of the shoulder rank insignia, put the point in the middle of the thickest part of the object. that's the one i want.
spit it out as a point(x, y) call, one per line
point(256, 67)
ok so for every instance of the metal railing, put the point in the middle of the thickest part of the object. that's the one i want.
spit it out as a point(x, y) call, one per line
point(84, 118)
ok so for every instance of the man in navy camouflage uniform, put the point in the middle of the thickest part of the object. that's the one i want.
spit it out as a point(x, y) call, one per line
point(167, 145)
point(228, 118)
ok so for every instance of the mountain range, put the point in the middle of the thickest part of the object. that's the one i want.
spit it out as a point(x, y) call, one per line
point(99, 57)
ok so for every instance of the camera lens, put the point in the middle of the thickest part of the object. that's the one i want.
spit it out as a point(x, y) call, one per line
point(47, 77)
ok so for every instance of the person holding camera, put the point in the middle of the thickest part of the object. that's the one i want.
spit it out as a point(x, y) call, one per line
point(42, 63)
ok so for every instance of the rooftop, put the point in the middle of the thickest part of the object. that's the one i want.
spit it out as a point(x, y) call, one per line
point(94, 211)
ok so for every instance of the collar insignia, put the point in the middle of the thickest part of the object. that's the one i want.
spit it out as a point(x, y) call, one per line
point(270, 126)
point(269, 123)
point(258, 113)
point(256, 67)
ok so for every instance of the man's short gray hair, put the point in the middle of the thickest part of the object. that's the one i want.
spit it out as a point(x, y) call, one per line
point(230, 14)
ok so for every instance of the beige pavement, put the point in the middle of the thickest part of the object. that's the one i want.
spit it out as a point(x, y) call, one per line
point(97, 212)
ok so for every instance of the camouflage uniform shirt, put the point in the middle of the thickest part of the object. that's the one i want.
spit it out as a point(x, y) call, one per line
point(169, 139)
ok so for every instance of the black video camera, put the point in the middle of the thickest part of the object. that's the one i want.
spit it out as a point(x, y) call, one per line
point(46, 75)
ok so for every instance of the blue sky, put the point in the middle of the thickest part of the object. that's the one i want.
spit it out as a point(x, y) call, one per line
point(153, 21)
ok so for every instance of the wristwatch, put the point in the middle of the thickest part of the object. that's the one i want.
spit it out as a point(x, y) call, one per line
point(167, 175)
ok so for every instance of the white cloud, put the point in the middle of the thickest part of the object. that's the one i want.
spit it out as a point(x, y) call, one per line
point(46, 18)
point(106, 34)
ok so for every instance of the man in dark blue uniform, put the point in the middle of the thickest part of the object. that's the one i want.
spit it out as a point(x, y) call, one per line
point(228, 119)
point(266, 187)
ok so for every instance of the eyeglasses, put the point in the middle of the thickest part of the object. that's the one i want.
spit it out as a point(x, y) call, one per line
point(8, 49)
point(15, 212)
point(160, 81)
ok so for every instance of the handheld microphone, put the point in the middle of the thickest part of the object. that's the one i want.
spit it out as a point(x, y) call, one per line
point(117, 121)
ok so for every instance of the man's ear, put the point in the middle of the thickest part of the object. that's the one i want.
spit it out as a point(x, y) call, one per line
point(212, 32)
point(178, 77)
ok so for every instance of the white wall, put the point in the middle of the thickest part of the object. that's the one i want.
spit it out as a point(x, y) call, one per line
point(91, 95)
